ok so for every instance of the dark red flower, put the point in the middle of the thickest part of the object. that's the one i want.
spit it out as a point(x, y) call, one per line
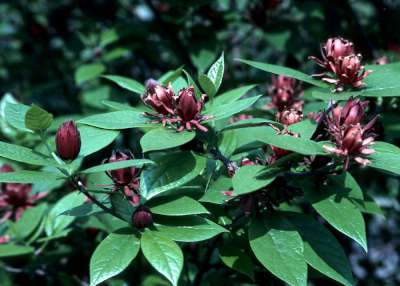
point(351, 113)
point(142, 217)
point(160, 98)
point(128, 176)
point(289, 116)
point(331, 51)
point(189, 109)
point(15, 198)
point(284, 93)
point(68, 141)
point(348, 71)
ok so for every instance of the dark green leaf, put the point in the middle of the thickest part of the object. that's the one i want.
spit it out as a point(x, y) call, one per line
point(24, 155)
point(83, 210)
point(176, 206)
point(29, 221)
point(7, 250)
point(237, 259)
point(113, 255)
point(126, 83)
point(216, 72)
point(29, 177)
point(15, 115)
point(215, 191)
point(386, 157)
point(249, 179)
point(37, 119)
point(163, 138)
point(279, 247)
point(88, 72)
point(163, 254)
point(207, 85)
point(252, 122)
point(117, 165)
point(188, 228)
point(94, 139)
point(280, 70)
point(122, 206)
point(117, 120)
point(232, 95)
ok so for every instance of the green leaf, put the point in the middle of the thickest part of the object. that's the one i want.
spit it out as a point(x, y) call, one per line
point(236, 258)
point(172, 171)
point(83, 210)
point(117, 120)
point(119, 106)
point(37, 119)
point(117, 165)
point(226, 110)
point(107, 37)
point(15, 115)
point(231, 95)
point(207, 85)
point(188, 228)
point(382, 82)
point(215, 192)
point(88, 72)
point(334, 205)
point(24, 155)
point(216, 72)
point(163, 138)
point(94, 139)
point(126, 83)
point(8, 250)
point(56, 222)
point(163, 254)
point(29, 221)
point(251, 122)
point(280, 70)
point(191, 82)
point(385, 158)
point(249, 179)
point(305, 128)
point(29, 177)
point(122, 206)
point(279, 248)
point(170, 76)
point(296, 144)
point(113, 255)
point(176, 206)
point(323, 252)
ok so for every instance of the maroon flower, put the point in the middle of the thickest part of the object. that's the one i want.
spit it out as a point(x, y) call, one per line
point(289, 116)
point(188, 109)
point(351, 139)
point(348, 71)
point(16, 198)
point(332, 50)
point(142, 217)
point(68, 141)
point(4, 239)
point(160, 98)
point(128, 176)
point(284, 93)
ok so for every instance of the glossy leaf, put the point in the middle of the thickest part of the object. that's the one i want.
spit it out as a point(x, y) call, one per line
point(321, 249)
point(251, 122)
point(14, 113)
point(163, 254)
point(88, 72)
point(24, 155)
point(116, 120)
point(113, 255)
point(126, 83)
point(281, 70)
point(8, 250)
point(279, 248)
point(29, 177)
point(117, 165)
point(163, 138)
point(176, 206)
point(216, 72)
point(94, 139)
point(188, 228)
point(29, 221)
point(215, 193)
point(232, 95)
point(385, 158)
point(207, 85)
point(252, 178)
point(236, 258)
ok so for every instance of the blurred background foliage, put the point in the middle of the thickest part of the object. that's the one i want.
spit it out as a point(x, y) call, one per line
point(52, 53)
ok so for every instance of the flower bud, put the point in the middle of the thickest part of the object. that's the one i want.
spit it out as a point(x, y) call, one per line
point(6, 169)
point(187, 106)
point(337, 47)
point(68, 141)
point(142, 218)
point(352, 140)
point(349, 71)
point(160, 98)
point(289, 116)
point(124, 176)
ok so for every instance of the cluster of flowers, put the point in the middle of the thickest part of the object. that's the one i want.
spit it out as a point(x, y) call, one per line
point(352, 139)
point(183, 111)
point(339, 58)
point(125, 180)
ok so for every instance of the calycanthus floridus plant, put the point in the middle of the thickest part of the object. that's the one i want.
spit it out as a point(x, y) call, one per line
point(260, 189)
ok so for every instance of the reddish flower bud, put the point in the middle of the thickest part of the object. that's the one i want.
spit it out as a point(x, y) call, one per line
point(284, 93)
point(289, 116)
point(142, 218)
point(160, 98)
point(125, 176)
point(6, 169)
point(187, 105)
point(68, 141)
point(4, 239)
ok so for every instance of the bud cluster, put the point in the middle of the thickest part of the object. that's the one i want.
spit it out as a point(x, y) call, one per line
point(339, 58)
point(352, 139)
point(15, 198)
point(183, 111)
point(285, 93)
